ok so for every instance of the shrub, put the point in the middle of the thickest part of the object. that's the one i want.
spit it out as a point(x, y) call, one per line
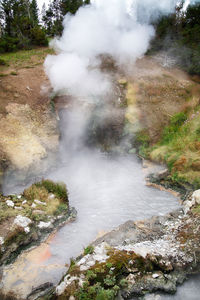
point(59, 189)
point(38, 36)
point(9, 44)
point(42, 189)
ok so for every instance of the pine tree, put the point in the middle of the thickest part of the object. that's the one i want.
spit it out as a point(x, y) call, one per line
point(34, 12)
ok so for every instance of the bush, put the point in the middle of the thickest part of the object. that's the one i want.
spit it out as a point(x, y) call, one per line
point(38, 36)
point(9, 44)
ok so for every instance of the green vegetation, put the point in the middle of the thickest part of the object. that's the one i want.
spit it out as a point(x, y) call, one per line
point(179, 147)
point(180, 34)
point(59, 189)
point(104, 279)
point(89, 250)
point(42, 201)
point(25, 57)
point(53, 16)
point(20, 28)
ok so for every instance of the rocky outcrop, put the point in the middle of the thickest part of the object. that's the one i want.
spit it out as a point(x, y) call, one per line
point(25, 220)
point(28, 137)
point(137, 258)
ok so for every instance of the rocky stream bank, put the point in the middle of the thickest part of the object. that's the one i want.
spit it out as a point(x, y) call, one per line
point(137, 258)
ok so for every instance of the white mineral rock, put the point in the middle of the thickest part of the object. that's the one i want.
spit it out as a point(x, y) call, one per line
point(187, 205)
point(33, 205)
point(39, 202)
point(155, 275)
point(1, 240)
point(19, 197)
point(27, 229)
point(60, 288)
point(22, 221)
point(10, 203)
point(51, 196)
point(44, 224)
point(99, 254)
point(196, 196)
point(24, 202)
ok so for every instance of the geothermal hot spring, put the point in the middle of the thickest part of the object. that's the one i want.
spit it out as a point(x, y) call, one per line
point(106, 189)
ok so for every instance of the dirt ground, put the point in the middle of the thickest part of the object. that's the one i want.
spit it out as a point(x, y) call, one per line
point(28, 125)
point(30, 86)
point(160, 92)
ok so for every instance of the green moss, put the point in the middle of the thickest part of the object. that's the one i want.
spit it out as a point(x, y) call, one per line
point(89, 250)
point(102, 280)
point(123, 283)
point(196, 210)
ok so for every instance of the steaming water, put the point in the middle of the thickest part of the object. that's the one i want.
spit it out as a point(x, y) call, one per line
point(106, 191)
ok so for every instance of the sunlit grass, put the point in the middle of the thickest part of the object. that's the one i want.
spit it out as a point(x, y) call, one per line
point(26, 57)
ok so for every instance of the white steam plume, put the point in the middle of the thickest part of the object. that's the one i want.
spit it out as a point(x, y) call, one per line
point(116, 27)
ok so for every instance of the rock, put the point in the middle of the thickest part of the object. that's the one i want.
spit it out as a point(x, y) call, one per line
point(27, 229)
point(44, 224)
point(60, 288)
point(19, 197)
point(196, 196)
point(22, 221)
point(33, 205)
point(1, 240)
point(155, 275)
point(152, 297)
point(40, 202)
point(18, 207)
point(51, 196)
point(162, 174)
point(187, 205)
point(38, 212)
point(10, 203)
point(24, 202)
point(71, 298)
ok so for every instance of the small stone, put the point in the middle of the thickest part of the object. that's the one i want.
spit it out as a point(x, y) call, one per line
point(51, 196)
point(44, 224)
point(27, 229)
point(33, 205)
point(60, 288)
point(1, 240)
point(19, 197)
point(10, 203)
point(71, 298)
point(22, 221)
point(38, 212)
point(18, 207)
point(155, 275)
point(24, 202)
point(40, 202)
point(196, 196)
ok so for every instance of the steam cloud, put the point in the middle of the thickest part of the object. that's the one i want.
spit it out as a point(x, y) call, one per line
point(116, 27)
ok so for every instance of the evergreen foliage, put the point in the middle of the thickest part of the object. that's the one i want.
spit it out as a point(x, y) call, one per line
point(180, 32)
point(20, 27)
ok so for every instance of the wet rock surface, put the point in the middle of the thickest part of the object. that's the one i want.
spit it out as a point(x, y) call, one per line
point(137, 258)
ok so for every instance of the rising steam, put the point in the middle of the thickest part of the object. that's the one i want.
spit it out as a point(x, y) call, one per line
point(117, 28)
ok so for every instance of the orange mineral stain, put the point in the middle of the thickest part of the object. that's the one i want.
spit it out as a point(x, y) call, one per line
point(46, 254)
